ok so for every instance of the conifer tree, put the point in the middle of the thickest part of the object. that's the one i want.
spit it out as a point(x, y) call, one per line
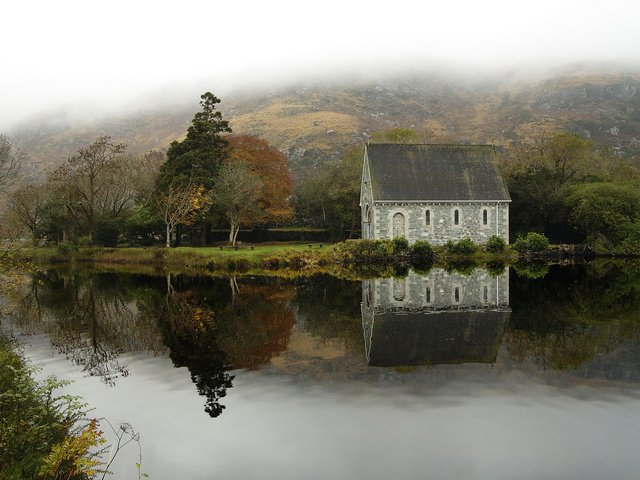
point(198, 157)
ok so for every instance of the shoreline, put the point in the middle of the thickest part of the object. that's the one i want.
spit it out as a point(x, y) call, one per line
point(295, 259)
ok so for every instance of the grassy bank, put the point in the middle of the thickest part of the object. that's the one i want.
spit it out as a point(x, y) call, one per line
point(346, 259)
point(351, 258)
point(243, 258)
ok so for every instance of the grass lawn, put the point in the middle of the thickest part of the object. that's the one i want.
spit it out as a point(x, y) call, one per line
point(256, 252)
point(188, 256)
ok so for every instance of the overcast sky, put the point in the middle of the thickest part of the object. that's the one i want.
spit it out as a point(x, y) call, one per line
point(108, 54)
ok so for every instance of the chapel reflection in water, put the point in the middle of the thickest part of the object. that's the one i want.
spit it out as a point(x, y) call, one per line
point(439, 318)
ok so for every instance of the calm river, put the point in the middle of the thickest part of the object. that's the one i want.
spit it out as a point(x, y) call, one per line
point(513, 374)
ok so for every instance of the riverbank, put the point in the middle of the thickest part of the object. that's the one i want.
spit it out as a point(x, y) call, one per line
point(346, 259)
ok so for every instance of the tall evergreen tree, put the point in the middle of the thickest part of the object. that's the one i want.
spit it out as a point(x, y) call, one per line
point(198, 157)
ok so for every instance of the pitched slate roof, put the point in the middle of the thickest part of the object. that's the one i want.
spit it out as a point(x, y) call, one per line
point(435, 172)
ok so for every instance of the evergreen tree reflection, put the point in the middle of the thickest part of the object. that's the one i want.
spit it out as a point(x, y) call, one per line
point(189, 331)
point(212, 327)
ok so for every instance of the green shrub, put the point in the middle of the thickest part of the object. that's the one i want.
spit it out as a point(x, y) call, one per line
point(83, 241)
point(532, 270)
point(495, 268)
point(495, 244)
point(362, 251)
point(464, 246)
point(400, 271)
point(463, 266)
point(106, 232)
point(631, 244)
point(400, 245)
point(66, 248)
point(383, 248)
point(369, 248)
point(33, 418)
point(532, 242)
point(422, 250)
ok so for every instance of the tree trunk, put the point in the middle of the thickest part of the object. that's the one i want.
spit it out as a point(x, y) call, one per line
point(168, 242)
point(231, 227)
point(235, 234)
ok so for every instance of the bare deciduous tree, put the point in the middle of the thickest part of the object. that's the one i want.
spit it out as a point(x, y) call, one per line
point(10, 159)
point(238, 189)
point(90, 175)
point(25, 208)
point(144, 172)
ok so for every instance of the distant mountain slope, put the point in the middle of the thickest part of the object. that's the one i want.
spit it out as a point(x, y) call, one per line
point(315, 123)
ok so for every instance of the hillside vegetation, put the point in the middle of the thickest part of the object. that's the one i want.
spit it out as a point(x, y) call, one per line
point(315, 123)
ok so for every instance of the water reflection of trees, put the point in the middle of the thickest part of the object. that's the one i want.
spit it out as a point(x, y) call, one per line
point(214, 326)
point(90, 319)
point(329, 308)
point(574, 314)
point(209, 326)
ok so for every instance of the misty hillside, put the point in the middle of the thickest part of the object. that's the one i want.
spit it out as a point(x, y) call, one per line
point(315, 123)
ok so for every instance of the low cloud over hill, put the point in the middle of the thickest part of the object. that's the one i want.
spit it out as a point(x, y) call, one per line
point(313, 123)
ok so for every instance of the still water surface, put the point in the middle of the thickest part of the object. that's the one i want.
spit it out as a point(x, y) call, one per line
point(437, 374)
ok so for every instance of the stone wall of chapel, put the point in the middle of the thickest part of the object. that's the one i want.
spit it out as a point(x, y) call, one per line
point(437, 290)
point(442, 226)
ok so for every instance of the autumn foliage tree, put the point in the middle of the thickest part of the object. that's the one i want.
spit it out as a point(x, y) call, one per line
point(271, 165)
point(181, 205)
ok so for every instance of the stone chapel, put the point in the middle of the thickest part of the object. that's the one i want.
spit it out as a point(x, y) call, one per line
point(433, 192)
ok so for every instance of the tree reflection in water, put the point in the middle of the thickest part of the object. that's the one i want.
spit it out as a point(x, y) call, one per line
point(214, 327)
point(573, 317)
point(188, 329)
point(92, 320)
point(575, 314)
point(210, 326)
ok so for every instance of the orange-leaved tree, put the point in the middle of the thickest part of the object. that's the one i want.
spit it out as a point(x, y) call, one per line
point(271, 166)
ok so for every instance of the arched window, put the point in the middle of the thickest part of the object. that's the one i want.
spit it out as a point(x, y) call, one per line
point(398, 225)
point(456, 295)
point(428, 294)
point(485, 216)
point(399, 289)
point(485, 294)
point(366, 222)
point(456, 217)
point(427, 217)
